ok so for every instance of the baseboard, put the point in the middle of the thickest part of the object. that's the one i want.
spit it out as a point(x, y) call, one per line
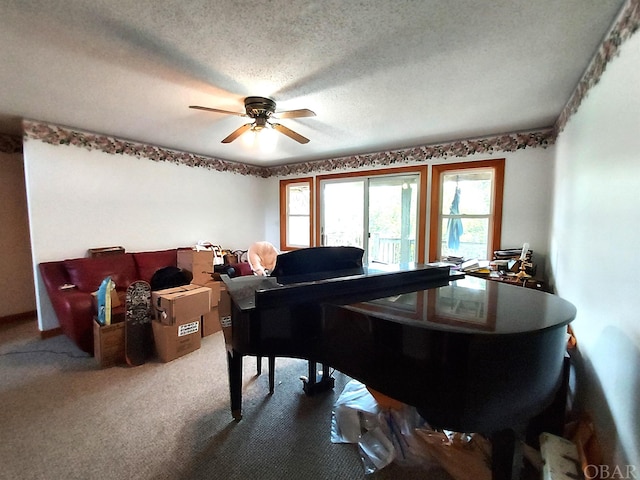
point(54, 332)
point(32, 315)
point(19, 316)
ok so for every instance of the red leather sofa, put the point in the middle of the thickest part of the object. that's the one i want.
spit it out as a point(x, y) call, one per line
point(75, 307)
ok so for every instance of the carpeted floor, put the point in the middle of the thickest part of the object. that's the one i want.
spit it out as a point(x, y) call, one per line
point(63, 418)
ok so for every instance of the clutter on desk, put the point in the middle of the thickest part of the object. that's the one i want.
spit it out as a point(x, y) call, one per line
point(466, 264)
point(509, 260)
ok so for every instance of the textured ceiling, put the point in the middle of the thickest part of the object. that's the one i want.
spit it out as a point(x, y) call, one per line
point(380, 74)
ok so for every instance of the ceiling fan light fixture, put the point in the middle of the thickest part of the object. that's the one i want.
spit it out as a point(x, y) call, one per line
point(262, 138)
point(267, 140)
point(261, 109)
point(260, 124)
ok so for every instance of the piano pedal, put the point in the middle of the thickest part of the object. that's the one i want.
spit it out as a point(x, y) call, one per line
point(320, 385)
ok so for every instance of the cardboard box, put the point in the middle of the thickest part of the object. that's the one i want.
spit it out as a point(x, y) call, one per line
point(179, 304)
point(198, 263)
point(108, 344)
point(215, 287)
point(224, 305)
point(211, 322)
point(173, 341)
point(115, 299)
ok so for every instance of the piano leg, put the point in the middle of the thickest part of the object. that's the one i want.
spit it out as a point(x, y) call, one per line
point(234, 365)
point(272, 371)
point(272, 374)
point(330, 381)
point(506, 455)
point(311, 378)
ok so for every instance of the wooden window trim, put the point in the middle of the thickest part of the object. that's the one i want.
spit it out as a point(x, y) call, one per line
point(434, 224)
point(421, 170)
point(283, 211)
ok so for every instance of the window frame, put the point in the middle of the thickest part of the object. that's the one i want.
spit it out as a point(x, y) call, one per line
point(420, 170)
point(495, 217)
point(433, 193)
point(284, 211)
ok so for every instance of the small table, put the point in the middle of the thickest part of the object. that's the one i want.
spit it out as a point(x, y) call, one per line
point(530, 282)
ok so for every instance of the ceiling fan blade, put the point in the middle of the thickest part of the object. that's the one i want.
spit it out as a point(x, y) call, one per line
point(303, 112)
point(237, 132)
point(290, 133)
point(217, 110)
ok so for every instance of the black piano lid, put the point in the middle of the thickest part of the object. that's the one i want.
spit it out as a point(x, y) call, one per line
point(472, 305)
point(376, 280)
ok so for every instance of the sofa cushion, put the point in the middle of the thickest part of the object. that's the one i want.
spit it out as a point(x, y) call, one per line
point(87, 273)
point(149, 262)
point(242, 268)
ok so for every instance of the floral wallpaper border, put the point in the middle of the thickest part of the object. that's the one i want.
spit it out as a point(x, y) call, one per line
point(508, 142)
point(626, 24)
point(57, 135)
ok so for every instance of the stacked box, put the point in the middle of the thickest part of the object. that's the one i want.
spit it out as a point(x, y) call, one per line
point(211, 320)
point(181, 303)
point(108, 343)
point(173, 341)
point(198, 263)
point(176, 328)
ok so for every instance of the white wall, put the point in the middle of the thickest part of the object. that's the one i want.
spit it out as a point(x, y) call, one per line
point(80, 199)
point(526, 206)
point(594, 249)
point(270, 198)
point(17, 294)
point(527, 197)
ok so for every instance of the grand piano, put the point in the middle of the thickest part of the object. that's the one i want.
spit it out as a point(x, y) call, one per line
point(470, 354)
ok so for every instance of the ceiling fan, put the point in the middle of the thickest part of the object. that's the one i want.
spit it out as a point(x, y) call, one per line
point(262, 109)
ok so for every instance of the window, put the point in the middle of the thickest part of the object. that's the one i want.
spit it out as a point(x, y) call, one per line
point(296, 213)
point(380, 211)
point(466, 209)
point(385, 211)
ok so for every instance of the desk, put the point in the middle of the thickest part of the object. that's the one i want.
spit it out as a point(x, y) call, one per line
point(531, 282)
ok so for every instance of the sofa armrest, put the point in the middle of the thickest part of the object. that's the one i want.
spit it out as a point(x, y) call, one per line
point(54, 275)
point(75, 312)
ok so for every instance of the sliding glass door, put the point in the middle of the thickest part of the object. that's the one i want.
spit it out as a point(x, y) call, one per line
point(377, 213)
point(392, 214)
point(343, 220)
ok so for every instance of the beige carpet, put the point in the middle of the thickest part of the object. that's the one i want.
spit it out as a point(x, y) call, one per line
point(63, 418)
